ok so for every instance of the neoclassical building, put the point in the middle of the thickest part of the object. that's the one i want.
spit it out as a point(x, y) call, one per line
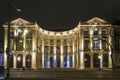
point(82, 47)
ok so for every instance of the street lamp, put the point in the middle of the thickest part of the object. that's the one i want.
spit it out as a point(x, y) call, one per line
point(8, 36)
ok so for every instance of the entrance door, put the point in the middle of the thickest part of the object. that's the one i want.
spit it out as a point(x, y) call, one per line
point(45, 61)
point(71, 63)
point(65, 61)
point(11, 61)
point(87, 60)
point(58, 63)
point(19, 61)
point(28, 61)
point(96, 61)
point(105, 60)
point(52, 61)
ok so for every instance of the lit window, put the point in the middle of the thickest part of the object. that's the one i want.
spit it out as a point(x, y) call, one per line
point(96, 43)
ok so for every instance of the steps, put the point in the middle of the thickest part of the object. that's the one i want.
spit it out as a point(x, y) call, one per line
point(67, 74)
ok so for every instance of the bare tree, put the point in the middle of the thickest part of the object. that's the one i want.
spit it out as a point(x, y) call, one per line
point(112, 46)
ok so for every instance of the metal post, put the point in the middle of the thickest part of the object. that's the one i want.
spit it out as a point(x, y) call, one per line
point(8, 43)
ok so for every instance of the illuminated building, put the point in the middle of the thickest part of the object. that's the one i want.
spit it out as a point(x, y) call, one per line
point(82, 47)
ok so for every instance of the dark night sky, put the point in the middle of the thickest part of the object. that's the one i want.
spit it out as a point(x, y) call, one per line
point(59, 14)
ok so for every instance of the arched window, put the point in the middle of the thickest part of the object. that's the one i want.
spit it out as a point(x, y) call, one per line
point(87, 60)
point(11, 61)
point(19, 61)
point(96, 60)
point(105, 60)
point(28, 61)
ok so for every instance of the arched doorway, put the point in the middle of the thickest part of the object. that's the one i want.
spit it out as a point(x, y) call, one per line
point(65, 61)
point(11, 61)
point(45, 61)
point(51, 61)
point(19, 61)
point(87, 60)
point(28, 60)
point(105, 60)
point(96, 61)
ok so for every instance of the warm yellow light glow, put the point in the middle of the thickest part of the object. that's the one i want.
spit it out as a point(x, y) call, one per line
point(99, 57)
point(70, 31)
point(51, 33)
point(64, 33)
point(95, 29)
point(18, 58)
point(57, 34)
point(91, 32)
point(45, 31)
point(25, 32)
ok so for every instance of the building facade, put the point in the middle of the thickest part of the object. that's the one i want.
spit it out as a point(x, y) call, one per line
point(82, 47)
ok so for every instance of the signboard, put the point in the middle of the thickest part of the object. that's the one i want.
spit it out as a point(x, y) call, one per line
point(1, 59)
point(1, 66)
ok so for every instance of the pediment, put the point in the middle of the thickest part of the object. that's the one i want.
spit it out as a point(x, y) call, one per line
point(97, 20)
point(20, 22)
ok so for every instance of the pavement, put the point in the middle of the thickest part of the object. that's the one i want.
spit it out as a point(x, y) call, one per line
point(65, 74)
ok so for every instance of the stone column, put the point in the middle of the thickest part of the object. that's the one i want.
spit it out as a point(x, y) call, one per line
point(101, 60)
point(109, 60)
point(15, 62)
point(34, 60)
point(48, 54)
point(81, 48)
point(34, 49)
point(68, 56)
point(42, 53)
point(24, 60)
point(73, 47)
point(55, 62)
point(82, 60)
point(24, 43)
point(77, 53)
point(61, 53)
point(91, 61)
point(109, 53)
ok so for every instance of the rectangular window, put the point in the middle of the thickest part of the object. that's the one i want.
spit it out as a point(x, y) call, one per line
point(118, 45)
point(96, 44)
point(19, 44)
point(51, 50)
point(58, 49)
point(29, 44)
point(86, 33)
point(65, 49)
point(95, 33)
point(46, 48)
point(86, 44)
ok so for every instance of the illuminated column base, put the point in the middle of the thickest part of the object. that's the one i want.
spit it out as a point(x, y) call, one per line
point(109, 60)
point(82, 60)
point(14, 64)
point(42, 61)
point(34, 60)
point(55, 63)
point(61, 61)
point(91, 61)
point(23, 60)
point(48, 66)
point(68, 62)
point(101, 61)
point(73, 61)
point(5, 60)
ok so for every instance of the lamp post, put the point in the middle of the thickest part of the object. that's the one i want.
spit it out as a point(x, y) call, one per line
point(8, 36)
point(8, 43)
